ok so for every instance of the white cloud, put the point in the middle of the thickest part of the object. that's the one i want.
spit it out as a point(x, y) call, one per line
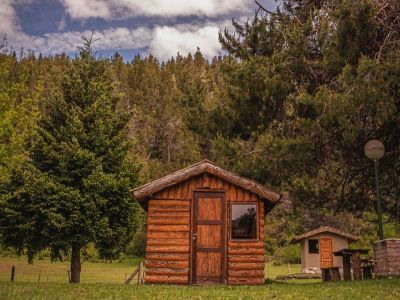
point(167, 41)
point(120, 9)
point(162, 41)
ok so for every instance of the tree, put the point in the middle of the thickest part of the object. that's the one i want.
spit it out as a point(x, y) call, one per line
point(75, 187)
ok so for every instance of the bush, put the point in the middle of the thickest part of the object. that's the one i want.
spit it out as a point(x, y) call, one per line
point(289, 254)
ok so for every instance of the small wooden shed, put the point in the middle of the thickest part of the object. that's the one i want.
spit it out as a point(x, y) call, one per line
point(205, 225)
point(317, 247)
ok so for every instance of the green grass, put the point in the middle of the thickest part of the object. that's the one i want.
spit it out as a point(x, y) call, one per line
point(105, 281)
point(57, 271)
point(383, 289)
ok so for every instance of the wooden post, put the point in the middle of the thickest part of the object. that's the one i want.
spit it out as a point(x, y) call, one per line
point(288, 265)
point(346, 267)
point(139, 273)
point(69, 277)
point(125, 277)
point(356, 266)
point(40, 272)
point(12, 273)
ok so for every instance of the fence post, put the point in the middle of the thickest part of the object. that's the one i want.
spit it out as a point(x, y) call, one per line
point(69, 277)
point(40, 272)
point(12, 273)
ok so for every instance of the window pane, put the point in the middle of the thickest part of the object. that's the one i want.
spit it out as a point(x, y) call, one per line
point(244, 221)
point(313, 246)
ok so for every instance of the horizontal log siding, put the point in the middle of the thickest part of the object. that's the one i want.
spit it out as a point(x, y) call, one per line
point(168, 235)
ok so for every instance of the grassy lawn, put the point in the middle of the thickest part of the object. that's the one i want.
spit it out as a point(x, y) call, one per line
point(105, 281)
point(384, 289)
point(57, 272)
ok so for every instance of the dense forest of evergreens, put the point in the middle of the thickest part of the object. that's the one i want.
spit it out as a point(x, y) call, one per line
point(290, 104)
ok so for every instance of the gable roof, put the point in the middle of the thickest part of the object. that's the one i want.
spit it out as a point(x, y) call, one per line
point(204, 166)
point(323, 229)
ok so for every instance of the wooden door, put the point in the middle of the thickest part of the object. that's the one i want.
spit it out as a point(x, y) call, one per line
point(208, 238)
point(326, 258)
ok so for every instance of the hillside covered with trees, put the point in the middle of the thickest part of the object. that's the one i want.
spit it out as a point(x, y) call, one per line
point(290, 103)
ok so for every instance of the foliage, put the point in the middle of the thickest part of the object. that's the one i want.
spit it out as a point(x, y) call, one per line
point(75, 187)
point(291, 105)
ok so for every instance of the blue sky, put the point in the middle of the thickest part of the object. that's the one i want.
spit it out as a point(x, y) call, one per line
point(160, 27)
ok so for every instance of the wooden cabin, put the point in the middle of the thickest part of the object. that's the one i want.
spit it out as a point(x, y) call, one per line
point(205, 225)
point(317, 247)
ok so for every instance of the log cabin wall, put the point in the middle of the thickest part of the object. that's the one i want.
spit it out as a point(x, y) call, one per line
point(168, 250)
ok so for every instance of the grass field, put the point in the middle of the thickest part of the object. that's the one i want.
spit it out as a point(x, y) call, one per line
point(105, 281)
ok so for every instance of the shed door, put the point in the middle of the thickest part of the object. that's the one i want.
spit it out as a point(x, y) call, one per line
point(325, 245)
point(208, 243)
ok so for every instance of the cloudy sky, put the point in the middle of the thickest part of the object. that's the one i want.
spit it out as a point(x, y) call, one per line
point(160, 27)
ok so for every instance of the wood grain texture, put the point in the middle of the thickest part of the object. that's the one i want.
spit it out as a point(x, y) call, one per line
point(169, 220)
point(246, 251)
point(167, 256)
point(167, 235)
point(167, 271)
point(168, 228)
point(204, 166)
point(168, 242)
point(246, 266)
point(246, 273)
point(246, 258)
point(167, 264)
point(246, 280)
point(167, 249)
point(166, 279)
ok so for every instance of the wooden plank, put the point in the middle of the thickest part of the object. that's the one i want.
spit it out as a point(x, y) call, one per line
point(240, 194)
point(168, 228)
point(200, 168)
point(248, 251)
point(167, 264)
point(168, 249)
point(199, 182)
point(246, 280)
point(167, 235)
point(175, 208)
point(206, 181)
point(169, 214)
point(245, 273)
point(168, 221)
point(185, 190)
point(246, 258)
point(166, 279)
point(161, 202)
point(167, 256)
point(246, 266)
point(249, 244)
point(168, 242)
point(167, 271)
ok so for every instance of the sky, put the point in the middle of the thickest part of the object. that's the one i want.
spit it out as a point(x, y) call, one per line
point(160, 27)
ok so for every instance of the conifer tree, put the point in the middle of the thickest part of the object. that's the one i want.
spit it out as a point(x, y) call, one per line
point(75, 189)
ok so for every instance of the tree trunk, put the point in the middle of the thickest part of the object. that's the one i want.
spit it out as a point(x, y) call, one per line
point(76, 264)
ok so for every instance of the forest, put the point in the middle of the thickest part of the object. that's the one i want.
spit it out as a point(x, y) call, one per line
point(290, 102)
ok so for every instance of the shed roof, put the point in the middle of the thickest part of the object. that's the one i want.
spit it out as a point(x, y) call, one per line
point(323, 229)
point(205, 166)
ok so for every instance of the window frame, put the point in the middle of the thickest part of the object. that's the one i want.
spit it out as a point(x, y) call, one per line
point(257, 222)
point(308, 244)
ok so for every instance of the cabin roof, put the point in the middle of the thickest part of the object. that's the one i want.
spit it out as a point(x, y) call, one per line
point(205, 166)
point(323, 229)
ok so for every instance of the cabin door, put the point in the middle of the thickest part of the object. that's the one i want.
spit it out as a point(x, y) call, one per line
point(325, 245)
point(208, 238)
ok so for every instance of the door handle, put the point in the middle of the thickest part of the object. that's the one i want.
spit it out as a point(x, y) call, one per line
point(194, 235)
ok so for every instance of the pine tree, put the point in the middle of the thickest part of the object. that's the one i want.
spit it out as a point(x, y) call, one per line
point(75, 189)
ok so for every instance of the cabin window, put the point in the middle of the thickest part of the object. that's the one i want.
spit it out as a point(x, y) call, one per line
point(313, 246)
point(244, 221)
